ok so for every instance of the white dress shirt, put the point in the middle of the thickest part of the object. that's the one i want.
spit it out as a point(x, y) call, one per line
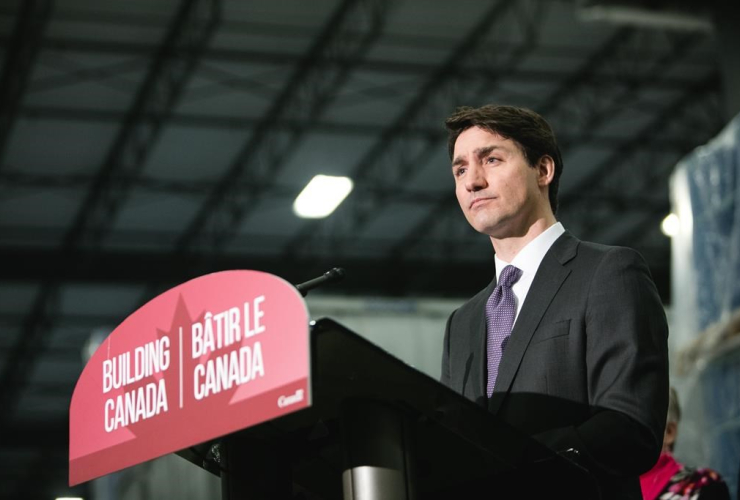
point(528, 260)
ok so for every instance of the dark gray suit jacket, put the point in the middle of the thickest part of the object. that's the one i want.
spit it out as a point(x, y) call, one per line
point(587, 363)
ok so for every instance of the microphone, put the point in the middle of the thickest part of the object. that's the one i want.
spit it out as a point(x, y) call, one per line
point(331, 276)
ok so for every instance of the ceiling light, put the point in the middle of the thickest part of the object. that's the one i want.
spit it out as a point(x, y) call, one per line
point(321, 196)
point(645, 17)
point(670, 225)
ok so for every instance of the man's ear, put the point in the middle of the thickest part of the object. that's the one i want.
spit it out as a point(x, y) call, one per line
point(545, 170)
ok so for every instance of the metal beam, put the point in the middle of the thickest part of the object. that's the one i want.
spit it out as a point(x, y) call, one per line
point(27, 265)
point(356, 129)
point(20, 56)
point(17, 178)
point(305, 97)
point(185, 39)
point(21, 357)
point(619, 162)
point(391, 158)
point(612, 80)
point(434, 275)
point(169, 72)
point(137, 51)
point(70, 44)
point(642, 172)
point(98, 74)
point(646, 172)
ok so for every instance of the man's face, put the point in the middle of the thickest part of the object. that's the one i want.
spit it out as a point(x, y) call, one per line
point(498, 191)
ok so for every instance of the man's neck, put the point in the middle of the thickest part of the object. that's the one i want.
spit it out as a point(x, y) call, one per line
point(508, 248)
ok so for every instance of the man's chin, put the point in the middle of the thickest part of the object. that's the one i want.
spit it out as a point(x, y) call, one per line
point(495, 228)
point(488, 227)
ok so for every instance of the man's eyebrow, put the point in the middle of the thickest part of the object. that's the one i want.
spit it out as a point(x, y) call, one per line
point(458, 161)
point(481, 152)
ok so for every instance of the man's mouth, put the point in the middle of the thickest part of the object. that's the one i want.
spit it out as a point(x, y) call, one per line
point(478, 201)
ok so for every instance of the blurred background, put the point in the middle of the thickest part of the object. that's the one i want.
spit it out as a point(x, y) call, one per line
point(144, 143)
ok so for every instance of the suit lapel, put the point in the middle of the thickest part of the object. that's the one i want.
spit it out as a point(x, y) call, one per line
point(550, 276)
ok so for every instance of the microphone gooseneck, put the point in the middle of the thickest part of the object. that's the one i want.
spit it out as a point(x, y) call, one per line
point(331, 276)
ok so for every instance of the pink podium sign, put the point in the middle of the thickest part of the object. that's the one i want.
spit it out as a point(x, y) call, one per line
point(209, 357)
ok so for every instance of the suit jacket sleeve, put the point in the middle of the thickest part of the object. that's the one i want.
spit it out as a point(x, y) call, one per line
point(627, 370)
point(445, 376)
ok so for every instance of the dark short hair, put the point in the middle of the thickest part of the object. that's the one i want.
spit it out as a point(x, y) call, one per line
point(527, 129)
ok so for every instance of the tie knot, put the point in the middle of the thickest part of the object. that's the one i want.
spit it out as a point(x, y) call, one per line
point(509, 276)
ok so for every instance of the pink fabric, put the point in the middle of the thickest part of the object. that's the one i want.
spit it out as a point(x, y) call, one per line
point(654, 480)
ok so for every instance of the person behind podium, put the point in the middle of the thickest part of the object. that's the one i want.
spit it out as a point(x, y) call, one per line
point(568, 342)
point(669, 479)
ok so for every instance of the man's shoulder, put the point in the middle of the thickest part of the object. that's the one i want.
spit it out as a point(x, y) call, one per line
point(592, 246)
point(594, 263)
point(599, 251)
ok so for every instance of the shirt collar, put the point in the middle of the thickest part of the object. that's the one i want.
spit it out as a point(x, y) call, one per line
point(529, 258)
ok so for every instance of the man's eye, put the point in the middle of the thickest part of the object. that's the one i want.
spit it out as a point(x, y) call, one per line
point(459, 171)
point(491, 159)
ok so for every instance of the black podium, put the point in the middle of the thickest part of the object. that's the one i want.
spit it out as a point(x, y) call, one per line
point(380, 429)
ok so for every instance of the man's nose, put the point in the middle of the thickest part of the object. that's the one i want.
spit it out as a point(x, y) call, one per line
point(476, 179)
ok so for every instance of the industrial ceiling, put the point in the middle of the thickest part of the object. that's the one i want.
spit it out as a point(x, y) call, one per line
point(143, 143)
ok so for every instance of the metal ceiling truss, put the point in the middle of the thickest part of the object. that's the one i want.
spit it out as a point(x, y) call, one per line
point(191, 188)
point(615, 59)
point(612, 80)
point(135, 51)
point(20, 56)
point(642, 174)
point(185, 40)
point(393, 157)
point(17, 178)
point(169, 73)
point(350, 32)
point(100, 74)
point(697, 113)
point(240, 55)
point(636, 184)
point(246, 124)
point(21, 358)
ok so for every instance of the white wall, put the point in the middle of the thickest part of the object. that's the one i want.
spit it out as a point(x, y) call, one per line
point(411, 330)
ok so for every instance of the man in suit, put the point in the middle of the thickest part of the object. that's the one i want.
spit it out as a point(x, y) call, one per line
point(569, 341)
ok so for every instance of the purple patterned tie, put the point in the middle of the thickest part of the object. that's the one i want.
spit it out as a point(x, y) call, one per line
point(500, 311)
